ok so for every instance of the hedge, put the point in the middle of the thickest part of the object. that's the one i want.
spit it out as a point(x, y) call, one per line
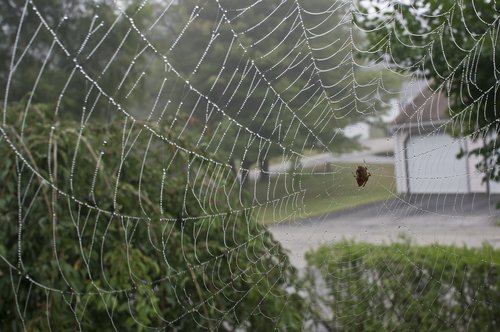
point(109, 227)
point(410, 288)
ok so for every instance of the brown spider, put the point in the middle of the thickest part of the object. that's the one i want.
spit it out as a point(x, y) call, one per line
point(362, 175)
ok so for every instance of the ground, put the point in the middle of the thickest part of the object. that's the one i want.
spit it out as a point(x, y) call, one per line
point(326, 184)
point(469, 219)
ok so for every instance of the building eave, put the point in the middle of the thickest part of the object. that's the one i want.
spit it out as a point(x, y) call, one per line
point(412, 125)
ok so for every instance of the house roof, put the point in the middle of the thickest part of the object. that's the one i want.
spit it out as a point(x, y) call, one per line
point(427, 108)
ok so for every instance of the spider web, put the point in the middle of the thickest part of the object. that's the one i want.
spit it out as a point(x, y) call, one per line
point(148, 143)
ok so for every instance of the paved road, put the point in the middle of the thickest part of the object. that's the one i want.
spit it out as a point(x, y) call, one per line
point(372, 154)
point(445, 219)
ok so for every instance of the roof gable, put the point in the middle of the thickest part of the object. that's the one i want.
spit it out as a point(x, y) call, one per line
point(428, 107)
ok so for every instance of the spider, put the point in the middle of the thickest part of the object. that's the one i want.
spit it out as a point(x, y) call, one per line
point(362, 175)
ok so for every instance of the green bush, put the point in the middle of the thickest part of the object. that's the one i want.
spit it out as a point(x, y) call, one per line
point(112, 226)
point(400, 287)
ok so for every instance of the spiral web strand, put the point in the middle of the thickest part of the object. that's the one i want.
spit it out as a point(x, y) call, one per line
point(146, 145)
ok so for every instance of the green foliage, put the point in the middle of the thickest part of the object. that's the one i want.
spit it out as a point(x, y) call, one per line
point(410, 288)
point(111, 226)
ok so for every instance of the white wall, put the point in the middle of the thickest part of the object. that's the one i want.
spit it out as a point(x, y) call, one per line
point(475, 177)
point(436, 166)
point(433, 166)
point(399, 161)
point(494, 187)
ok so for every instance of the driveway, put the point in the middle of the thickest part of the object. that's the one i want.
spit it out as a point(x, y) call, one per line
point(458, 219)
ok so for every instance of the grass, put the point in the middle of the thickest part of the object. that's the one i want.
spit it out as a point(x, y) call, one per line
point(325, 189)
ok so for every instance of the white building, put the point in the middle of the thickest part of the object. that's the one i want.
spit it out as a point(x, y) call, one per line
point(426, 155)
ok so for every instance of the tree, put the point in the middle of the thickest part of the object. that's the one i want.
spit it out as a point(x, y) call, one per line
point(274, 72)
point(42, 69)
point(454, 44)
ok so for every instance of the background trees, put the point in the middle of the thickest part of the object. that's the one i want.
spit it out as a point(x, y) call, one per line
point(34, 66)
point(271, 69)
point(274, 67)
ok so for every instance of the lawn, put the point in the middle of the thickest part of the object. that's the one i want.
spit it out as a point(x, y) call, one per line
point(324, 189)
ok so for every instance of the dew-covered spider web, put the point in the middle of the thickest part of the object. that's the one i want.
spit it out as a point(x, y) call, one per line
point(165, 165)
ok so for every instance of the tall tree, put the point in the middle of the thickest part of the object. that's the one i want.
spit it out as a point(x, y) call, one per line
point(49, 48)
point(280, 84)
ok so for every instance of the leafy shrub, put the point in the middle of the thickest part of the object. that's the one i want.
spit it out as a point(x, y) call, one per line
point(400, 287)
point(113, 226)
